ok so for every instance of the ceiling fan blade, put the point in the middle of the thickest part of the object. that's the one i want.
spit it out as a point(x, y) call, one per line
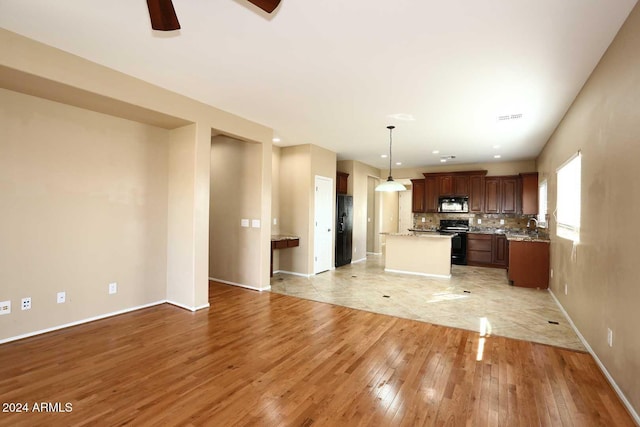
point(163, 15)
point(266, 5)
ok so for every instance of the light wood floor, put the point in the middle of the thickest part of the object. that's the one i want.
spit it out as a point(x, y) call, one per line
point(268, 359)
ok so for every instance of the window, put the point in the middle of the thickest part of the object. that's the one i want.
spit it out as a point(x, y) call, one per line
point(542, 204)
point(568, 203)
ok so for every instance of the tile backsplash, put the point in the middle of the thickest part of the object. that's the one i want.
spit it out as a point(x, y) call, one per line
point(512, 222)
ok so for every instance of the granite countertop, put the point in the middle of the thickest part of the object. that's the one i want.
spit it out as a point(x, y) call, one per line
point(427, 234)
point(279, 237)
point(524, 237)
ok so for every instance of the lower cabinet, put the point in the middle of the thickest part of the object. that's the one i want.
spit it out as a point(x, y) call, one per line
point(529, 264)
point(487, 250)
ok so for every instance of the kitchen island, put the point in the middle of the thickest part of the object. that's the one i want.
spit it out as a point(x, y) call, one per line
point(425, 254)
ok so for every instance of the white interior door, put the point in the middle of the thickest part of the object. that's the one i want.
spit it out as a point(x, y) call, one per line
point(323, 235)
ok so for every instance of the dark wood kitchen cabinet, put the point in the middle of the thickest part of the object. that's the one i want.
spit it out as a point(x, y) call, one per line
point(445, 185)
point(509, 190)
point(479, 248)
point(529, 192)
point(430, 194)
point(529, 264)
point(455, 185)
point(417, 195)
point(500, 250)
point(476, 193)
point(501, 194)
point(487, 250)
point(342, 181)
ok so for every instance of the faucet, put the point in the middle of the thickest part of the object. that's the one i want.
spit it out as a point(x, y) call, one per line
point(535, 221)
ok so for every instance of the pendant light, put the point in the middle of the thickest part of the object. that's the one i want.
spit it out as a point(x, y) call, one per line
point(390, 184)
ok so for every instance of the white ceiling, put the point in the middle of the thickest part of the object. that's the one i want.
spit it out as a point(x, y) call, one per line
point(331, 72)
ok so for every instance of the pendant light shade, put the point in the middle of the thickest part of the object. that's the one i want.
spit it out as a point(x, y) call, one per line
point(390, 184)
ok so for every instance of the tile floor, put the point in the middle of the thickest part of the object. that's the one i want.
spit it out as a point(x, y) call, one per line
point(474, 298)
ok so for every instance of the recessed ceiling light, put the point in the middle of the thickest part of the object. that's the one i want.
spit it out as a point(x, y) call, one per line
point(496, 146)
point(402, 116)
point(276, 139)
point(398, 163)
point(497, 156)
point(435, 152)
point(384, 156)
point(443, 160)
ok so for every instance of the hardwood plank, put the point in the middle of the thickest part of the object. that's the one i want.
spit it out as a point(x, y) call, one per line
point(267, 359)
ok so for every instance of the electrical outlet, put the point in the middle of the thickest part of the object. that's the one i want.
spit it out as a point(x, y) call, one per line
point(479, 221)
point(62, 297)
point(552, 273)
point(566, 289)
point(26, 303)
point(275, 221)
point(610, 337)
point(5, 307)
point(502, 222)
point(423, 219)
point(113, 288)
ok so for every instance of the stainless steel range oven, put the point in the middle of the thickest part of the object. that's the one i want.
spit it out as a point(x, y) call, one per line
point(459, 229)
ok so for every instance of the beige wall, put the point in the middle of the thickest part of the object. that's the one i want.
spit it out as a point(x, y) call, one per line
point(603, 289)
point(33, 68)
point(299, 166)
point(83, 201)
point(295, 167)
point(234, 251)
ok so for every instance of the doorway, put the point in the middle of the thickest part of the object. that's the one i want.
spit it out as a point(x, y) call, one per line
point(323, 222)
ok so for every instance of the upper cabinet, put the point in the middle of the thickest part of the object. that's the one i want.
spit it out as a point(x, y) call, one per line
point(501, 194)
point(417, 195)
point(342, 180)
point(476, 192)
point(430, 194)
point(454, 184)
point(529, 193)
point(509, 189)
point(513, 194)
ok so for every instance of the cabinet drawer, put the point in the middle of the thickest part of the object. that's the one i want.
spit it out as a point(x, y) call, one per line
point(279, 244)
point(483, 244)
point(483, 257)
point(293, 242)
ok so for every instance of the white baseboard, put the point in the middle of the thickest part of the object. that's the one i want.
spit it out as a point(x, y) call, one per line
point(442, 276)
point(625, 401)
point(253, 288)
point(293, 273)
point(186, 307)
point(359, 260)
point(80, 322)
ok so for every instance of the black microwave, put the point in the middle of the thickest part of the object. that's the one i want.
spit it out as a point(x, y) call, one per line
point(453, 204)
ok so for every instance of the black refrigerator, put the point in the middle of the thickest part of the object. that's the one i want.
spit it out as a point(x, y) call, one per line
point(344, 229)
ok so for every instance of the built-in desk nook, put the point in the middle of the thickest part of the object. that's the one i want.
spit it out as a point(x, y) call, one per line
point(280, 241)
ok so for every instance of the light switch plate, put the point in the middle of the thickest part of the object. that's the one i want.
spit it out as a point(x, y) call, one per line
point(479, 221)
point(244, 222)
point(62, 297)
point(255, 223)
point(502, 222)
